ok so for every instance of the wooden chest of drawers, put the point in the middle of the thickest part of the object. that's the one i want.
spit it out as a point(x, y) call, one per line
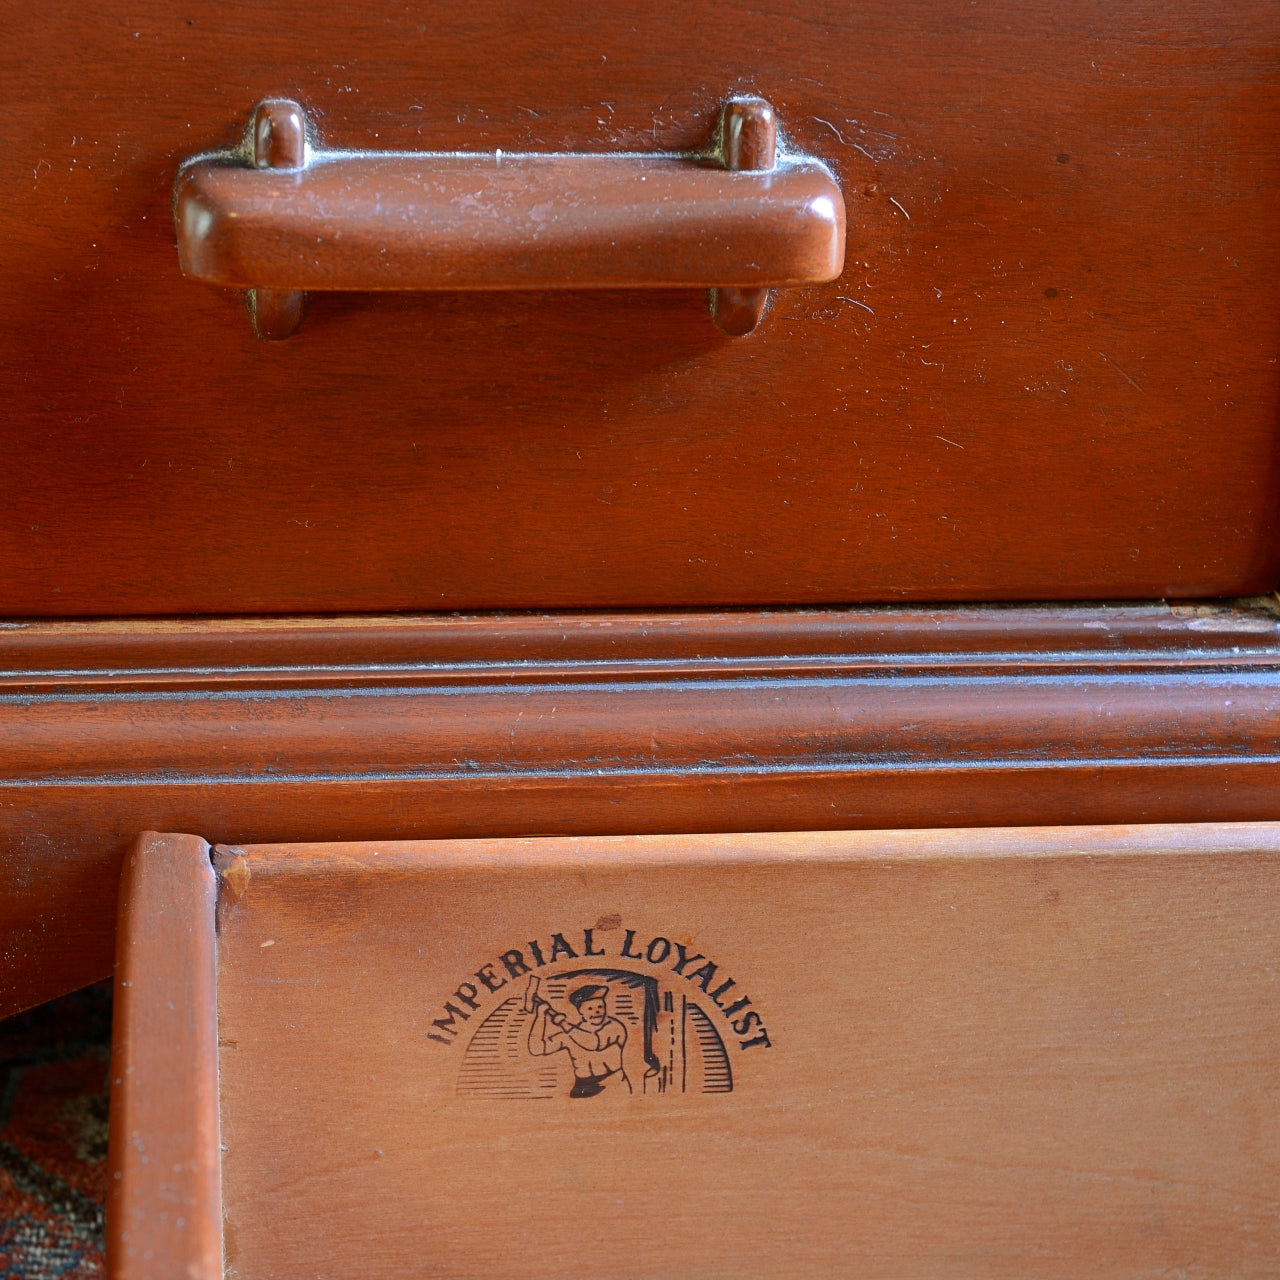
point(785, 581)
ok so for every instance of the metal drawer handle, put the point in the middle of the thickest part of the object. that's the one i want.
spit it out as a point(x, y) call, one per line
point(280, 216)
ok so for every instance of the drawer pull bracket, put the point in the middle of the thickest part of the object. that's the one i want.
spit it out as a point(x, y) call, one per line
point(279, 141)
point(281, 216)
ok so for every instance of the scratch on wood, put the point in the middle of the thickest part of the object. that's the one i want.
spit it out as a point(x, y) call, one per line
point(1121, 372)
point(905, 214)
point(840, 297)
point(832, 127)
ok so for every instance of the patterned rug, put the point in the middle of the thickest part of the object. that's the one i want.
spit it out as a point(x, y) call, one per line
point(53, 1137)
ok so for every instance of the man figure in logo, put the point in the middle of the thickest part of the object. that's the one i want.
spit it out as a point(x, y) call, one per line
point(594, 1043)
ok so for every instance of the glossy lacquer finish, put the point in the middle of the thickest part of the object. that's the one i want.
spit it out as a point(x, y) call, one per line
point(277, 140)
point(361, 221)
point(1048, 368)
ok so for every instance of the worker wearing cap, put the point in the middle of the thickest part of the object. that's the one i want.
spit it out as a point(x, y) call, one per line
point(594, 1044)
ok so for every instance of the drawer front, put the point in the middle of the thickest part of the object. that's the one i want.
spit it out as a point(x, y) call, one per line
point(1047, 371)
point(1018, 1052)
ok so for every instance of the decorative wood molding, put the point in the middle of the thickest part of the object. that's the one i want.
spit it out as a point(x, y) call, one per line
point(281, 730)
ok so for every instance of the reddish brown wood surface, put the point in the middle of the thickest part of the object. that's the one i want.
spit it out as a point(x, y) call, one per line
point(312, 729)
point(163, 1215)
point(987, 1056)
point(1048, 370)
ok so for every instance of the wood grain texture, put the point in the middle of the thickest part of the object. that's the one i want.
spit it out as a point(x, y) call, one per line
point(308, 729)
point(991, 1056)
point(1048, 370)
point(163, 1214)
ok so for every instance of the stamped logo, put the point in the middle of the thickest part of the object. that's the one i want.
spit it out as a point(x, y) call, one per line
point(645, 1015)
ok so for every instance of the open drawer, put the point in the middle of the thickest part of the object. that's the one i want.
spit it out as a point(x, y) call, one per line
point(991, 1053)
